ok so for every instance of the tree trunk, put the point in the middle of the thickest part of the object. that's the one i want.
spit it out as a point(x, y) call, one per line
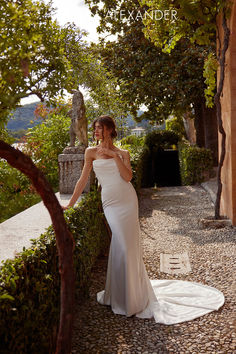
point(64, 241)
point(189, 128)
point(211, 131)
point(199, 123)
point(221, 60)
point(205, 122)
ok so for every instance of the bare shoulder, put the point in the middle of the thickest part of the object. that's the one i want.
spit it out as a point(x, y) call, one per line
point(124, 153)
point(90, 152)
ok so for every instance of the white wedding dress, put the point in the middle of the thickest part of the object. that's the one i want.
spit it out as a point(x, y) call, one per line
point(128, 289)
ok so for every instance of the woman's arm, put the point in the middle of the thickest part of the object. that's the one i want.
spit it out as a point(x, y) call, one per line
point(82, 181)
point(124, 166)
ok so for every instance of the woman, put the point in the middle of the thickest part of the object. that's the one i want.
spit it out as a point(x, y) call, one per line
point(128, 289)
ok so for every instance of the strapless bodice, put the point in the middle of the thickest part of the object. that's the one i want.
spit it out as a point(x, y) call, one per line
point(107, 172)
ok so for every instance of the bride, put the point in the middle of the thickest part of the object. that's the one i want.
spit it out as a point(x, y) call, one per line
point(128, 290)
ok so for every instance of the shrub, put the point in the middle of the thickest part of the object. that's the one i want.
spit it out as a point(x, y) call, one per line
point(30, 283)
point(132, 140)
point(138, 158)
point(176, 125)
point(195, 163)
point(44, 142)
point(161, 139)
point(16, 191)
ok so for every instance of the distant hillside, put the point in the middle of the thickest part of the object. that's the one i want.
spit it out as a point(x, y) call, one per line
point(22, 116)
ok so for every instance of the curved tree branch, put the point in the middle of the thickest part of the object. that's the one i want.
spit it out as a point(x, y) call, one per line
point(64, 240)
point(218, 109)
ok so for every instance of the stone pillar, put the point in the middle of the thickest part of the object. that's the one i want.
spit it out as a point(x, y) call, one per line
point(228, 102)
point(71, 163)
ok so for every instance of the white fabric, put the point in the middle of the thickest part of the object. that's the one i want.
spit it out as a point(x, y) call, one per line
point(128, 289)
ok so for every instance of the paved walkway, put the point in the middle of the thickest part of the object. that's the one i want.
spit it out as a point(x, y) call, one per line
point(16, 232)
point(169, 218)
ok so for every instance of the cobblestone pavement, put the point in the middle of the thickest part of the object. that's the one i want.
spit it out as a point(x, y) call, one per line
point(169, 218)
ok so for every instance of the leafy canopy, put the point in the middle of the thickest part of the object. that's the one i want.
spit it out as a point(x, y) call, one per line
point(196, 21)
point(164, 82)
point(39, 57)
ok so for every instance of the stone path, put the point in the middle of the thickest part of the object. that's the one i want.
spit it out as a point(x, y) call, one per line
point(16, 232)
point(169, 219)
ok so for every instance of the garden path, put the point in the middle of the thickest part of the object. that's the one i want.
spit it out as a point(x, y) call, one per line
point(16, 232)
point(169, 219)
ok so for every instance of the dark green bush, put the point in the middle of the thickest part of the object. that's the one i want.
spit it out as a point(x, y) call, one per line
point(163, 139)
point(137, 159)
point(30, 283)
point(176, 125)
point(195, 163)
point(16, 191)
point(132, 140)
point(139, 155)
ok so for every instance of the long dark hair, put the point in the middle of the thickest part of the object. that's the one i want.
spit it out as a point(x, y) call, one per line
point(109, 122)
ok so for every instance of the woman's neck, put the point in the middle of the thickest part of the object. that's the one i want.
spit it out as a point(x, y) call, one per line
point(107, 143)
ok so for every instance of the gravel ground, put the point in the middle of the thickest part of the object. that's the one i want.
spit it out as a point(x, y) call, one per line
point(169, 218)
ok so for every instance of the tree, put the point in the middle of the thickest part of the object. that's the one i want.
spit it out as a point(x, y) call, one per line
point(41, 58)
point(166, 82)
point(33, 62)
point(199, 19)
point(38, 57)
point(64, 240)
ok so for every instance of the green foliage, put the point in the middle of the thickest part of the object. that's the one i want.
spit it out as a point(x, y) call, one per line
point(195, 163)
point(137, 150)
point(47, 140)
point(167, 83)
point(6, 136)
point(39, 57)
point(196, 21)
point(161, 139)
point(140, 162)
point(132, 140)
point(16, 192)
point(43, 143)
point(30, 284)
point(210, 68)
point(176, 125)
point(143, 153)
point(25, 29)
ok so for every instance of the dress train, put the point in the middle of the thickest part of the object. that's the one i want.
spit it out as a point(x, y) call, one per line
point(128, 290)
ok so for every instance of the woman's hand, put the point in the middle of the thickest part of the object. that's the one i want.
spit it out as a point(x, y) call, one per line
point(105, 151)
point(65, 207)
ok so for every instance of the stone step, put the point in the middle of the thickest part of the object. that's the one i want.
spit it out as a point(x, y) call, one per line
point(175, 263)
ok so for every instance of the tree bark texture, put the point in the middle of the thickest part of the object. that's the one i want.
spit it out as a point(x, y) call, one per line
point(205, 122)
point(221, 60)
point(199, 123)
point(64, 241)
point(211, 131)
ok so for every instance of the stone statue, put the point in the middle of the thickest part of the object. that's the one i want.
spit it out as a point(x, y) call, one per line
point(79, 124)
point(71, 161)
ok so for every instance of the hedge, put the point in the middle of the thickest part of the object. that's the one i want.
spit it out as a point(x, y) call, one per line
point(30, 283)
point(138, 153)
point(196, 164)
